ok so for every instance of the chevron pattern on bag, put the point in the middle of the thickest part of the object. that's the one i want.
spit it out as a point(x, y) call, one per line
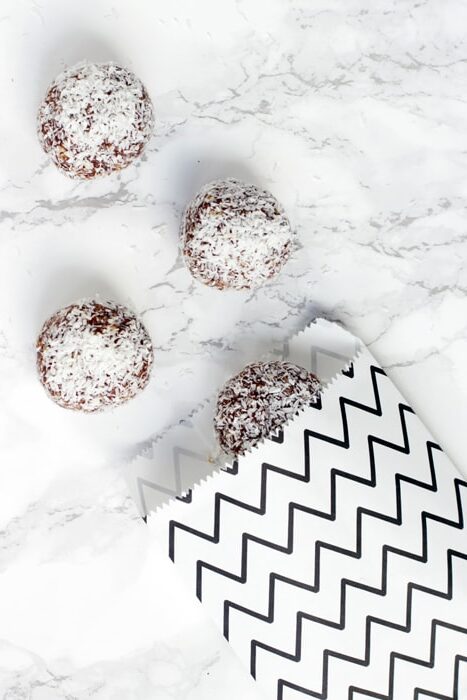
point(172, 463)
point(335, 558)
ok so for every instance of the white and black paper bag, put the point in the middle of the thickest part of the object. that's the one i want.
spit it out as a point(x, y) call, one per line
point(188, 452)
point(333, 556)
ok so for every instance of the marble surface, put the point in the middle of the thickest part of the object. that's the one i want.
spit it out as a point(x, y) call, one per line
point(354, 115)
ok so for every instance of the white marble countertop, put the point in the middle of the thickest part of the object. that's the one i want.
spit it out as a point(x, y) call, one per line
point(354, 115)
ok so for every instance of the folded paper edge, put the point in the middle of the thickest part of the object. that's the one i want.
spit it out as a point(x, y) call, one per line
point(229, 462)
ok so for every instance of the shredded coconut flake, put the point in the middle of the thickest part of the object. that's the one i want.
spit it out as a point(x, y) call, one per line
point(235, 235)
point(258, 400)
point(92, 355)
point(96, 118)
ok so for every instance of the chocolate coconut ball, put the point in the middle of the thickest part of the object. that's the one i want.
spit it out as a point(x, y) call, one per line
point(96, 118)
point(93, 355)
point(235, 235)
point(258, 400)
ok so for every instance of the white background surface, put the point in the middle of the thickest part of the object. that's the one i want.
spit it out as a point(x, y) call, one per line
point(354, 115)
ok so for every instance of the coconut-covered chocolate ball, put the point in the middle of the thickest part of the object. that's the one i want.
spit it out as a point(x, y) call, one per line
point(96, 118)
point(93, 355)
point(258, 400)
point(235, 235)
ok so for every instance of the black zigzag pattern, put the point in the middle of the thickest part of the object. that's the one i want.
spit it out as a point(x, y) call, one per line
point(305, 477)
point(370, 620)
point(455, 692)
point(320, 545)
point(294, 507)
point(425, 693)
point(346, 583)
point(429, 663)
